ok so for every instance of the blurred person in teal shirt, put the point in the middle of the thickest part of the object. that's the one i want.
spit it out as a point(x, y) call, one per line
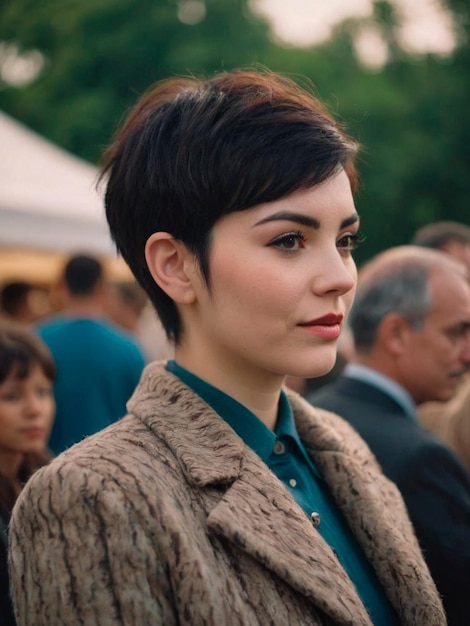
point(98, 364)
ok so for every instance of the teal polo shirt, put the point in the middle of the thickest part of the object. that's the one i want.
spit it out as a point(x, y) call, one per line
point(284, 453)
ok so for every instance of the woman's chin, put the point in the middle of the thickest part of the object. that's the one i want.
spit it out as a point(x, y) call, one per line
point(319, 368)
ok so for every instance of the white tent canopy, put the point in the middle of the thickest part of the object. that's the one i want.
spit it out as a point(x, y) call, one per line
point(48, 200)
point(47, 196)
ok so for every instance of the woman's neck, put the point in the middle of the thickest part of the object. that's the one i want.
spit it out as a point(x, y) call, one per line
point(259, 394)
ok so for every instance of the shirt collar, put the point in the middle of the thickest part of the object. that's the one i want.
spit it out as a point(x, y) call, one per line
point(248, 427)
point(384, 383)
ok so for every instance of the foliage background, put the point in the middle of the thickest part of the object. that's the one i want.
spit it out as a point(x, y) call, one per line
point(411, 116)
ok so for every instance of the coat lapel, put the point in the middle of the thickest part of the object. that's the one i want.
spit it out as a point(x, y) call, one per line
point(258, 515)
point(255, 512)
point(383, 531)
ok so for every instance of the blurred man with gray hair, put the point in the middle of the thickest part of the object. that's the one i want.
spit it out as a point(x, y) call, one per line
point(411, 328)
point(450, 421)
point(450, 237)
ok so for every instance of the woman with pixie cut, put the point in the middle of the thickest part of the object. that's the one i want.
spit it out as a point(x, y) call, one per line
point(223, 498)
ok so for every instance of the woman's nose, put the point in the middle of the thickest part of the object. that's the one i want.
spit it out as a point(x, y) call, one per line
point(33, 404)
point(337, 274)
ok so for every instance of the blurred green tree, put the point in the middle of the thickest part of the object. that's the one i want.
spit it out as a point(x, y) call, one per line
point(99, 56)
point(411, 117)
point(417, 138)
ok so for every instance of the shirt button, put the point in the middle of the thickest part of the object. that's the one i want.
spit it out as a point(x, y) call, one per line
point(292, 482)
point(315, 517)
point(279, 447)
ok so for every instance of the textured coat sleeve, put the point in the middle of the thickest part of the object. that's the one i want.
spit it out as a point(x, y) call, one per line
point(79, 554)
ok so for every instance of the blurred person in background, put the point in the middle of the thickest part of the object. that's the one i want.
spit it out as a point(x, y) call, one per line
point(450, 237)
point(98, 365)
point(27, 372)
point(449, 420)
point(411, 327)
point(223, 499)
point(130, 308)
point(126, 304)
point(23, 302)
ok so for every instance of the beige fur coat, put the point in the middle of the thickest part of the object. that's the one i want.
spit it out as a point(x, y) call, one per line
point(167, 518)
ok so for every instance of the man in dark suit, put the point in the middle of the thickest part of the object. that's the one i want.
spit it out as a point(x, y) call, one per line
point(450, 421)
point(411, 328)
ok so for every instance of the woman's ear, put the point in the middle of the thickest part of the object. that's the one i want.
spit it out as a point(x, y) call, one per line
point(171, 265)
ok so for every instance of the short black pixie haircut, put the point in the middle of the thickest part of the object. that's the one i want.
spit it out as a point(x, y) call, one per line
point(192, 151)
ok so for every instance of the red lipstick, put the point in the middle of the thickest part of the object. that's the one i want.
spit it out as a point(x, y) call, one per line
point(326, 327)
point(329, 319)
point(33, 432)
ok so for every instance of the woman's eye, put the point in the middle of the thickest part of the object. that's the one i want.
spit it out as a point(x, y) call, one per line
point(44, 392)
point(289, 241)
point(349, 242)
point(10, 396)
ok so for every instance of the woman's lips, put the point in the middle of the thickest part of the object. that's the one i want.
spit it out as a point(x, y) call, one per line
point(326, 327)
point(33, 432)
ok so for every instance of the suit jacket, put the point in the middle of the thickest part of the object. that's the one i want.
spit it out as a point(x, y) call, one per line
point(168, 518)
point(434, 483)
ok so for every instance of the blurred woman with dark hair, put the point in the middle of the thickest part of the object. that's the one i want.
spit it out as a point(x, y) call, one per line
point(27, 407)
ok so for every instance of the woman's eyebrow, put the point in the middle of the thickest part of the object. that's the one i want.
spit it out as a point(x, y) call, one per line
point(349, 221)
point(288, 216)
point(304, 220)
